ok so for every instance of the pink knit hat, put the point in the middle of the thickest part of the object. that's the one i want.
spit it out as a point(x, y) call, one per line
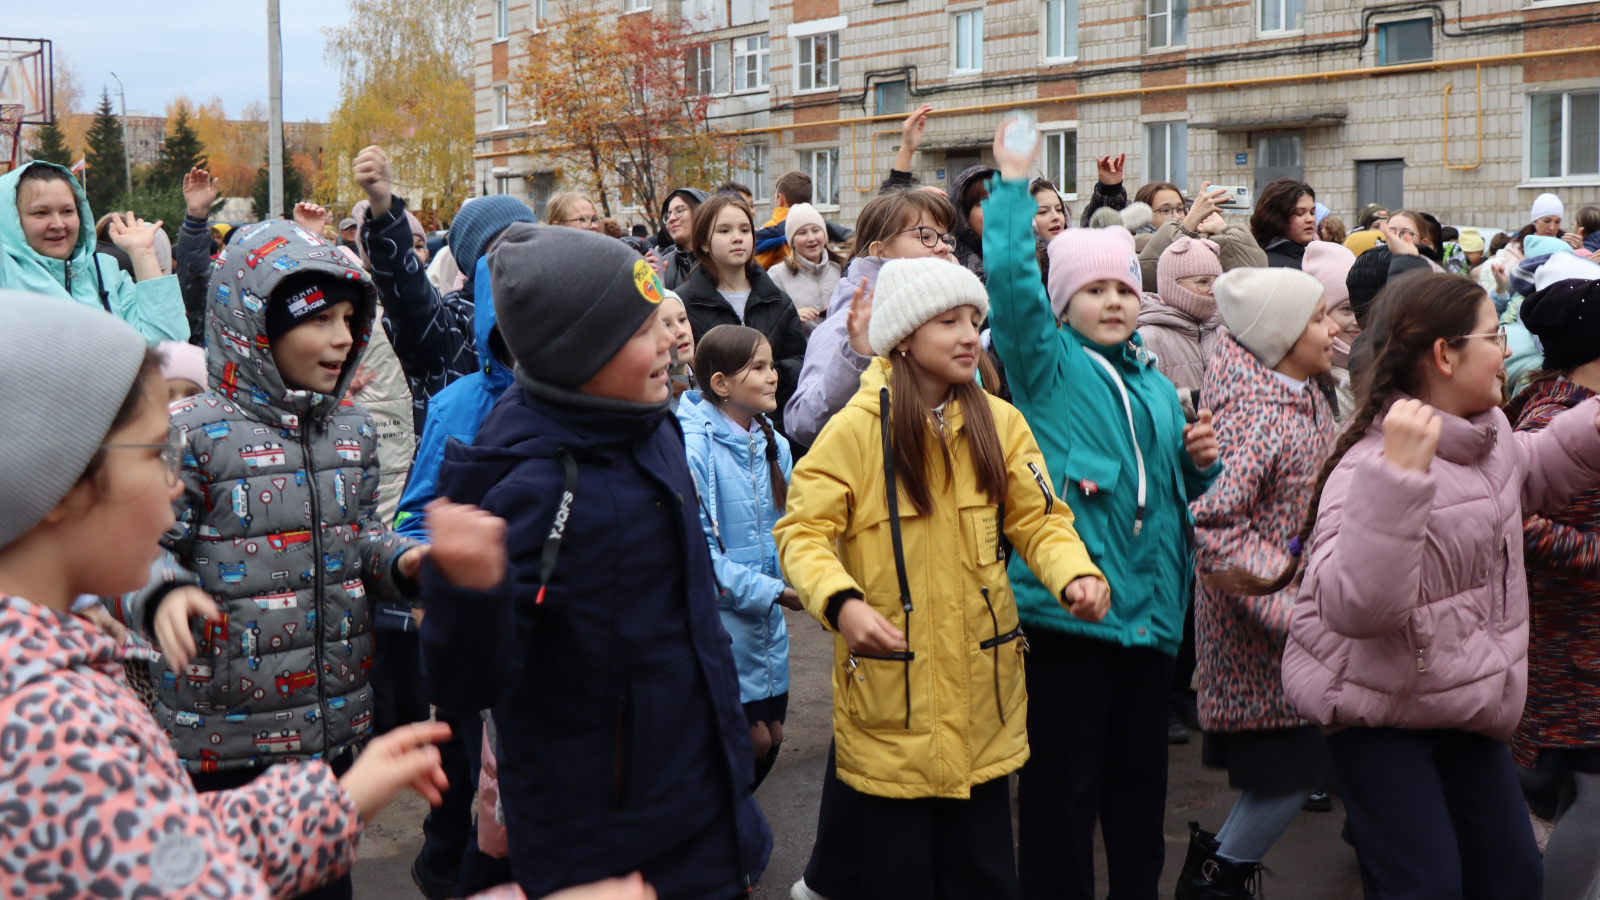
point(183, 360)
point(1330, 264)
point(1182, 258)
point(1082, 256)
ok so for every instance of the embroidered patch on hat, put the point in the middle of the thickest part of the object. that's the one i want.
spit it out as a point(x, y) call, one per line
point(645, 279)
point(303, 303)
point(176, 860)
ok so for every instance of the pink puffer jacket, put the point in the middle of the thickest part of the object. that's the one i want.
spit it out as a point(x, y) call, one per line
point(1414, 607)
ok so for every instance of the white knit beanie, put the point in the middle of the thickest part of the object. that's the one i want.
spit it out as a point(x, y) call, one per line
point(909, 292)
point(1267, 309)
point(1547, 205)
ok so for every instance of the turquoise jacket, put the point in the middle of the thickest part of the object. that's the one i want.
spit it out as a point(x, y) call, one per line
point(1077, 414)
point(154, 307)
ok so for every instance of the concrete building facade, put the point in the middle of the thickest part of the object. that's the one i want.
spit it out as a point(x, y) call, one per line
point(1465, 110)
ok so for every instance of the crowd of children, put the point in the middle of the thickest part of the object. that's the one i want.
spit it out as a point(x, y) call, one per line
point(301, 525)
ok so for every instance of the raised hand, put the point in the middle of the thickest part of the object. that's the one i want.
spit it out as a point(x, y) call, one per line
point(199, 192)
point(1205, 206)
point(404, 757)
point(1411, 434)
point(865, 629)
point(1012, 165)
point(1200, 441)
point(311, 217)
point(172, 623)
point(132, 233)
point(1109, 168)
point(371, 172)
point(468, 545)
point(911, 136)
point(1088, 598)
point(860, 319)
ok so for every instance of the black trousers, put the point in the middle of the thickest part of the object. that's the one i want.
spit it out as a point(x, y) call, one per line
point(1097, 725)
point(206, 782)
point(396, 682)
point(933, 848)
point(1436, 814)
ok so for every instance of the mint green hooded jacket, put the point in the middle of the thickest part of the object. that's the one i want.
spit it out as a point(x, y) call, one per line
point(1076, 412)
point(154, 307)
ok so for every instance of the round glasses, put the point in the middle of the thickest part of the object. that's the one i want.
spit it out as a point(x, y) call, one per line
point(928, 236)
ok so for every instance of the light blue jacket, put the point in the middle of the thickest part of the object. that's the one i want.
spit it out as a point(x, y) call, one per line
point(737, 511)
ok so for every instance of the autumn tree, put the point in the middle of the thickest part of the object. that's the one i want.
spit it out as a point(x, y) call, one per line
point(233, 147)
point(51, 145)
point(406, 84)
point(107, 177)
point(294, 187)
point(616, 108)
point(181, 151)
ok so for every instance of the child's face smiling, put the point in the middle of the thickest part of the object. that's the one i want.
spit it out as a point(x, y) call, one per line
point(311, 355)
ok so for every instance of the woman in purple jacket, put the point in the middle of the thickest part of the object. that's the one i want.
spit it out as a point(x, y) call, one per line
point(1408, 641)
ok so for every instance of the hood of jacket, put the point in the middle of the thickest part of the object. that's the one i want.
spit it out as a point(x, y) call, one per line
point(22, 267)
point(36, 642)
point(243, 277)
point(698, 415)
point(969, 245)
point(497, 375)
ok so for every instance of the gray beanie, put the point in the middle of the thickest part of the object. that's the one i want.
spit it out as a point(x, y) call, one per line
point(1267, 309)
point(53, 426)
point(567, 299)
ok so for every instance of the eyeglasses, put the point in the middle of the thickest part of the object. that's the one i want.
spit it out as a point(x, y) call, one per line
point(171, 452)
point(1201, 283)
point(1170, 211)
point(928, 236)
point(1498, 337)
point(590, 220)
point(1406, 233)
point(677, 212)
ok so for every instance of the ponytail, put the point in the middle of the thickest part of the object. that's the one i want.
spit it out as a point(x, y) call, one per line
point(780, 488)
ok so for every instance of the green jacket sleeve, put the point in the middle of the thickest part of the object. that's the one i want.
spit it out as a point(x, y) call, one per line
point(1021, 323)
point(154, 307)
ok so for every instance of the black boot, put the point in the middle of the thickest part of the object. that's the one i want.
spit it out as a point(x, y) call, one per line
point(1207, 876)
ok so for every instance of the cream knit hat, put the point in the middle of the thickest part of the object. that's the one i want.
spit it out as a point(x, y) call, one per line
point(909, 292)
point(801, 215)
point(1267, 309)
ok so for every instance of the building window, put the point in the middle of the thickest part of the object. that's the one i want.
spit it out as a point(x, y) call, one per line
point(502, 19)
point(969, 41)
point(634, 5)
point(1381, 181)
point(1404, 42)
point(1169, 152)
point(541, 13)
point(1061, 161)
point(748, 12)
point(501, 101)
point(1563, 134)
point(825, 177)
point(1280, 154)
point(707, 68)
point(1283, 15)
point(753, 171)
point(541, 187)
point(891, 97)
point(819, 61)
point(502, 184)
point(1168, 22)
point(1061, 29)
point(750, 62)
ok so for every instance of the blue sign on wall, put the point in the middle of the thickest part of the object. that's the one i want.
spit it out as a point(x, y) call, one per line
point(1241, 159)
point(938, 175)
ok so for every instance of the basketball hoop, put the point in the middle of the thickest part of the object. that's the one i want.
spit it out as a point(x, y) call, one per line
point(11, 133)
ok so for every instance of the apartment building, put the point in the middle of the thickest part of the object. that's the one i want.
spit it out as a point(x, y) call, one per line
point(1467, 110)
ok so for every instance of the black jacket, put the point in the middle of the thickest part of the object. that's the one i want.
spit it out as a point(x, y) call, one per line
point(1285, 254)
point(769, 311)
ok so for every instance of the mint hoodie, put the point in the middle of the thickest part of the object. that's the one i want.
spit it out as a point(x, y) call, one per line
point(1076, 412)
point(154, 307)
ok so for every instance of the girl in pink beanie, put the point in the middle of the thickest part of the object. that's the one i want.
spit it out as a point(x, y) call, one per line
point(1114, 438)
point(1179, 323)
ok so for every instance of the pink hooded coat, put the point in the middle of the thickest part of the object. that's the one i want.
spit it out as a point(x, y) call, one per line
point(1414, 607)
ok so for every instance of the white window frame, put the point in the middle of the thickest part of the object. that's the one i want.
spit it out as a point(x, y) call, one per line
point(633, 6)
point(1566, 177)
point(712, 75)
point(1167, 174)
point(806, 62)
point(541, 14)
point(742, 60)
point(970, 20)
point(824, 182)
point(1175, 11)
point(755, 166)
point(1283, 17)
point(1049, 167)
point(502, 106)
point(502, 20)
point(1068, 12)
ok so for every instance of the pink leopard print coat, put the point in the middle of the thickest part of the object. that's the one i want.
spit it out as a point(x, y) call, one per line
point(94, 803)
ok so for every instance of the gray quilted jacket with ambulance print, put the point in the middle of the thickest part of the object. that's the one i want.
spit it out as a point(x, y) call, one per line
point(278, 523)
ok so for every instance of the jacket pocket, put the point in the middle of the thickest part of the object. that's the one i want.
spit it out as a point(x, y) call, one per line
point(999, 663)
point(982, 535)
point(878, 692)
point(1090, 473)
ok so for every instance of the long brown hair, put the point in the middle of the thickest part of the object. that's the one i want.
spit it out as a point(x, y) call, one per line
point(705, 222)
point(729, 349)
point(911, 421)
point(1408, 316)
point(887, 214)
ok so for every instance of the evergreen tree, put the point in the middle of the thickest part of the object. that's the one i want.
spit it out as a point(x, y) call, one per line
point(181, 152)
point(52, 146)
point(107, 177)
point(294, 188)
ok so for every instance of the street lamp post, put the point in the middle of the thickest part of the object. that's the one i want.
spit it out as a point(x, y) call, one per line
point(127, 164)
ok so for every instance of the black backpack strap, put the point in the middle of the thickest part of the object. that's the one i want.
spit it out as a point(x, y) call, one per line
point(99, 285)
point(892, 490)
point(558, 524)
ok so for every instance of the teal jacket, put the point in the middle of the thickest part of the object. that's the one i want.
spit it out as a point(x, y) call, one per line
point(1077, 415)
point(154, 307)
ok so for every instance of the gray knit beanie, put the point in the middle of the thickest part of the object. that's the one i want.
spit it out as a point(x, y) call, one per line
point(1267, 309)
point(567, 299)
point(54, 426)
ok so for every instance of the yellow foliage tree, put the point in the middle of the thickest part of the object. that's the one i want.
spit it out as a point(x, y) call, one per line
point(233, 147)
point(405, 84)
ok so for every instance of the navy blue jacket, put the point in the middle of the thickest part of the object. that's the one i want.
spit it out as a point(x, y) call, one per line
point(623, 745)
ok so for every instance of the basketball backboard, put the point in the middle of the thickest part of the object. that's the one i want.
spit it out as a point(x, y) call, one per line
point(27, 78)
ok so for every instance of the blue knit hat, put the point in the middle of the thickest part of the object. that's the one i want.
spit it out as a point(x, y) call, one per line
point(479, 221)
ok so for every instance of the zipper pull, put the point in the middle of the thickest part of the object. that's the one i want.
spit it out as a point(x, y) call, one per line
point(1422, 665)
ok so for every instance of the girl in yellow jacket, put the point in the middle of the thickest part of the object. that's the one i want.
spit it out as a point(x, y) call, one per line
point(896, 539)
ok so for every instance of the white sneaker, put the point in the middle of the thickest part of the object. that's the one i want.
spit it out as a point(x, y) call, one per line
point(801, 892)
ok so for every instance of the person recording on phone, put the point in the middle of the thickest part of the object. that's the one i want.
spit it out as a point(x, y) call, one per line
point(1174, 217)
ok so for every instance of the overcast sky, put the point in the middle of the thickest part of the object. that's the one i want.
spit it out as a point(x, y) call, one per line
point(161, 50)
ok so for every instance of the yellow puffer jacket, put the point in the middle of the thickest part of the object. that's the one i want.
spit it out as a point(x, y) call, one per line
point(968, 702)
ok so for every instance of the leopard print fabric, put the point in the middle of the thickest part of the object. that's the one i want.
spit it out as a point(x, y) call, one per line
point(95, 803)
